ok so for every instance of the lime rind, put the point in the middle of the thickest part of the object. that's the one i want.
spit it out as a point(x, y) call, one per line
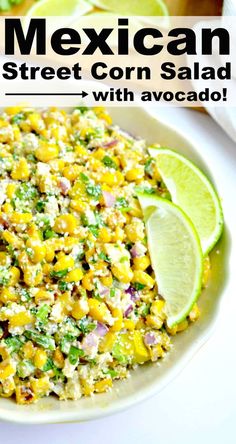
point(133, 7)
point(186, 194)
point(54, 8)
point(179, 276)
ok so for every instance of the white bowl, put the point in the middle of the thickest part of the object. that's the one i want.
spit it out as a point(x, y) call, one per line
point(149, 379)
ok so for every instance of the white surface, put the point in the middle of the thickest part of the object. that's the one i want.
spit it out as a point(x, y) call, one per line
point(199, 406)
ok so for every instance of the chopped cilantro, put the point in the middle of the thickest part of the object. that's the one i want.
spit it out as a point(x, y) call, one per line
point(148, 165)
point(44, 340)
point(48, 233)
point(93, 190)
point(121, 202)
point(63, 286)
point(109, 162)
point(84, 178)
point(94, 230)
point(25, 368)
point(139, 286)
point(145, 309)
point(40, 205)
point(17, 118)
point(82, 109)
point(59, 274)
point(110, 372)
point(147, 190)
point(112, 292)
point(42, 313)
point(74, 354)
point(104, 257)
point(14, 343)
point(86, 326)
point(26, 191)
point(48, 366)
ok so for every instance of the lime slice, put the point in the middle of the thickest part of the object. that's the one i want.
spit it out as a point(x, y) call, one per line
point(175, 253)
point(56, 8)
point(133, 7)
point(191, 190)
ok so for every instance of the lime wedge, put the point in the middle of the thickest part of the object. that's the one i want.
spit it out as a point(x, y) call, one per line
point(133, 7)
point(175, 253)
point(56, 8)
point(193, 193)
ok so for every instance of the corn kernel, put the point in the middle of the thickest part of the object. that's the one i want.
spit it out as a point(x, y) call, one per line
point(154, 321)
point(28, 350)
point(4, 258)
point(122, 272)
point(40, 358)
point(36, 122)
point(40, 386)
point(64, 263)
point(98, 310)
point(194, 313)
point(20, 170)
point(135, 174)
point(44, 296)
point(71, 172)
point(74, 275)
point(157, 307)
point(107, 342)
point(20, 218)
point(182, 326)
point(79, 205)
point(87, 387)
point(6, 369)
point(107, 280)
point(143, 278)
point(58, 358)
point(14, 274)
point(20, 319)
point(118, 235)
point(80, 309)
point(104, 235)
point(50, 252)
point(129, 324)
point(103, 385)
point(66, 223)
point(56, 165)
point(37, 250)
point(135, 231)
point(8, 295)
point(117, 315)
point(7, 208)
point(141, 263)
point(87, 281)
point(12, 239)
point(46, 152)
point(33, 275)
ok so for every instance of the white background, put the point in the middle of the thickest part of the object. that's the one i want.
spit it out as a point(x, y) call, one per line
point(199, 406)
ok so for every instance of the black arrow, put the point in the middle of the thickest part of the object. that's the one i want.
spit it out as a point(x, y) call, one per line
point(82, 94)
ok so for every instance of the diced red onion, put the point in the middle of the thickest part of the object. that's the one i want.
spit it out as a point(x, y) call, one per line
point(103, 291)
point(109, 199)
point(64, 185)
point(91, 340)
point(150, 339)
point(128, 310)
point(101, 329)
point(110, 144)
point(136, 250)
point(134, 295)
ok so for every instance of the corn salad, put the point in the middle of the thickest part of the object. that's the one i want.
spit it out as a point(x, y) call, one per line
point(79, 305)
